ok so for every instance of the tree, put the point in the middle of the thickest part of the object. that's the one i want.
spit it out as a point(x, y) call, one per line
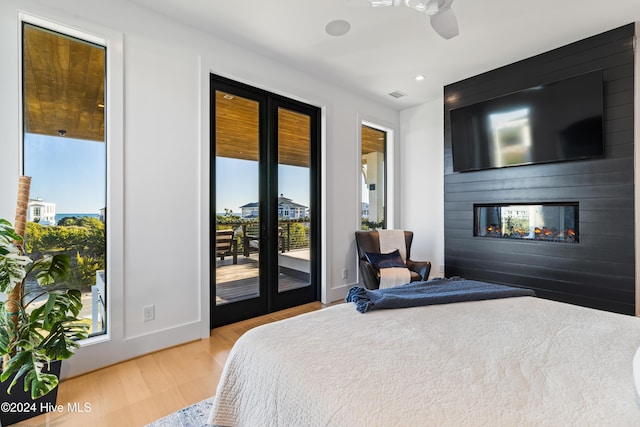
point(67, 221)
point(83, 239)
point(298, 235)
point(228, 218)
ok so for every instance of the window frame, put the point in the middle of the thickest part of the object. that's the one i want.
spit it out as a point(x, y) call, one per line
point(87, 358)
point(389, 168)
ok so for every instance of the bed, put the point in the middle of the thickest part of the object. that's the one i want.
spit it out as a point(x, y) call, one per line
point(521, 361)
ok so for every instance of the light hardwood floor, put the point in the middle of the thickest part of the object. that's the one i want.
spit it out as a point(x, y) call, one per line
point(141, 390)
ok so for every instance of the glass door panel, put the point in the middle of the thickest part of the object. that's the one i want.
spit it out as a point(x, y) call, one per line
point(294, 195)
point(237, 181)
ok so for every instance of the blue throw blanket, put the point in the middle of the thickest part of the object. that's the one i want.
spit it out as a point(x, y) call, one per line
point(435, 291)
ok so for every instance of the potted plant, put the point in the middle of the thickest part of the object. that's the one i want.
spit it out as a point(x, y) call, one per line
point(38, 325)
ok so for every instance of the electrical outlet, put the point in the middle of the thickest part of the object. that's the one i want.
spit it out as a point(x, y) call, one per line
point(149, 313)
point(441, 269)
point(345, 273)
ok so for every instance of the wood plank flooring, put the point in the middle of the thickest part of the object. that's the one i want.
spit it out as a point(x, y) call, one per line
point(139, 391)
point(237, 282)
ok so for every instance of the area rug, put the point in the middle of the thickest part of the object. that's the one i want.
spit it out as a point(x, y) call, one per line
point(195, 415)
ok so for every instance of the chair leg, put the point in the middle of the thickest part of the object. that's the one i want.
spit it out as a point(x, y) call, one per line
point(234, 249)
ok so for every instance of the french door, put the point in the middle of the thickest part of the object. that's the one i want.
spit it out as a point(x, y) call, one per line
point(264, 202)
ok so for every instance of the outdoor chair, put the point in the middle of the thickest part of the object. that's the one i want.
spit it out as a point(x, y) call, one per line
point(226, 245)
point(251, 242)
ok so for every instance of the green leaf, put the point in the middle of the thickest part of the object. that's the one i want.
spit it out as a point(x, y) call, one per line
point(51, 269)
point(13, 269)
point(63, 338)
point(48, 310)
point(28, 365)
point(60, 303)
point(75, 299)
point(40, 383)
point(20, 362)
point(7, 233)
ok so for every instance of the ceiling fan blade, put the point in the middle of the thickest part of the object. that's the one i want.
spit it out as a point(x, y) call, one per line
point(357, 3)
point(371, 3)
point(445, 24)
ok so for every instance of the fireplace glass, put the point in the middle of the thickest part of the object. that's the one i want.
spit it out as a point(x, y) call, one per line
point(555, 222)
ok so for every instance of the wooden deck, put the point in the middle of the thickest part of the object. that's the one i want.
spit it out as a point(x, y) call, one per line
point(236, 282)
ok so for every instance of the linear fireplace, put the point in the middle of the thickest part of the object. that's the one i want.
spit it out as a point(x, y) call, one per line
point(551, 222)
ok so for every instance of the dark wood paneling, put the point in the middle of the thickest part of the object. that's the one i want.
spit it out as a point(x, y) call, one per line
point(599, 271)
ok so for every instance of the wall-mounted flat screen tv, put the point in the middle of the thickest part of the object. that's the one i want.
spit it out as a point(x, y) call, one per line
point(554, 122)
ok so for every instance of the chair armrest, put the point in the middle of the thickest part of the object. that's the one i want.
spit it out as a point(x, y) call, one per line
point(246, 245)
point(369, 274)
point(421, 267)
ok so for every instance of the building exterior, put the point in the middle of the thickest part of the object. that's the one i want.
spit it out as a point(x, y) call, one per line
point(287, 209)
point(250, 210)
point(365, 210)
point(41, 212)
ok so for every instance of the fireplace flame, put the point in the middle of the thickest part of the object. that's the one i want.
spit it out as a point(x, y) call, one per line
point(514, 222)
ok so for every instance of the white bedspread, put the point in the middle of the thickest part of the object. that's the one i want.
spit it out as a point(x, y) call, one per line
point(511, 362)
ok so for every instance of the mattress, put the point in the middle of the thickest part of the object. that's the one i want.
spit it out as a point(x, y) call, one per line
point(519, 361)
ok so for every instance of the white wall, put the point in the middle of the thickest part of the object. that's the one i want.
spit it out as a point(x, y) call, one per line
point(422, 181)
point(165, 160)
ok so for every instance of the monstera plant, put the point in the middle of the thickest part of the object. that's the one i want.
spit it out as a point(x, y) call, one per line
point(39, 323)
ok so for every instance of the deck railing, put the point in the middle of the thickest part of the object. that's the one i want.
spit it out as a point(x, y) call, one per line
point(98, 310)
point(292, 235)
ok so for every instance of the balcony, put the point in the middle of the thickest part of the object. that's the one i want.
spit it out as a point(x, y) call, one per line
point(237, 276)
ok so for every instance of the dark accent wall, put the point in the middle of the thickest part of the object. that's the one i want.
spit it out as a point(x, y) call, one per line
point(597, 272)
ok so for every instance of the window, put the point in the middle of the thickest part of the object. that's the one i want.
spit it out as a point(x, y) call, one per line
point(373, 176)
point(64, 153)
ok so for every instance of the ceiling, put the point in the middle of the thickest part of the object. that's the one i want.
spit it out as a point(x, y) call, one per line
point(386, 48)
point(64, 86)
point(237, 132)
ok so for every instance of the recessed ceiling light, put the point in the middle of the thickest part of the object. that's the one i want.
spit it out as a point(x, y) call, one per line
point(419, 78)
point(339, 27)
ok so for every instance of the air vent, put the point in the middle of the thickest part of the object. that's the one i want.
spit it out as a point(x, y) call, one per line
point(397, 94)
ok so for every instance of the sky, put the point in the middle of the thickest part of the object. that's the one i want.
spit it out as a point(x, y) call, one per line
point(237, 183)
point(72, 174)
point(68, 172)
